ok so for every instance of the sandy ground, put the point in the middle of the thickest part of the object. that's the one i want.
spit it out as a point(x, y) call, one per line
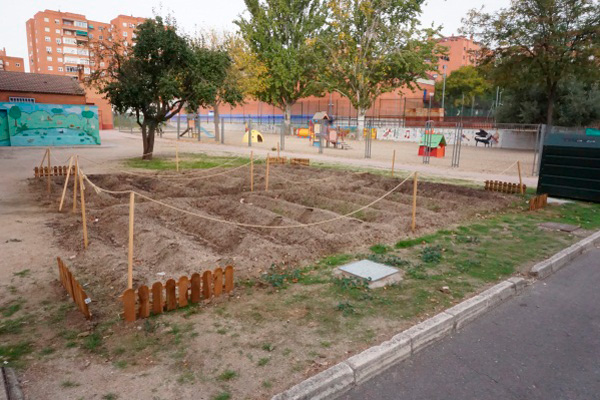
point(26, 241)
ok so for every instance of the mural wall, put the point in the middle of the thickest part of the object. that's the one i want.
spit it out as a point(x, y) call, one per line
point(37, 124)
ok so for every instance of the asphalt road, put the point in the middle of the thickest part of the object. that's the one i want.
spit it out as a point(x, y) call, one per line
point(542, 344)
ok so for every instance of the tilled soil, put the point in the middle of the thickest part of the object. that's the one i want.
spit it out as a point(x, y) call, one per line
point(170, 242)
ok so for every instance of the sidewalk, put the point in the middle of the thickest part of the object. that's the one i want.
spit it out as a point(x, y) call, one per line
point(543, 344)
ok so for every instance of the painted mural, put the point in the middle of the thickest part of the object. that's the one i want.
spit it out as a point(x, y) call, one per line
point(40, 124)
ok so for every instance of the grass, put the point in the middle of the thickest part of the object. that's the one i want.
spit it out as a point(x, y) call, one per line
point(22, 274)
point(222, 396)
point(263, 361)
point(187, 161)
point(9, 310)
point(12, 354)
point(69, 384)
point(227, 375)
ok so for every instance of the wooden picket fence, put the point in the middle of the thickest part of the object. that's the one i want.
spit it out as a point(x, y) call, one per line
point(277, 160)
point(168, 297)
point(300, 161)
point(73, 288)
point(537, 202)
point(504, 187)
point(60, 170)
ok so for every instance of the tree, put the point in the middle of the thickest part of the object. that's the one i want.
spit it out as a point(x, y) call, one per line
point(468, 81)
point(15, 113)
point(226, 75)
point(282, 34)
point(156, 78)
point(576, 104)
point(87, 114)
point(374, 47)
point(539, 42)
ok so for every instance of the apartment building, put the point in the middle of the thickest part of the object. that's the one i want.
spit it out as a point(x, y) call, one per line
point(8, 63)
point(461, 51)
point(59, 42)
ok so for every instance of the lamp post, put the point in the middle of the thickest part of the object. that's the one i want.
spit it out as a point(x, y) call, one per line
point(444, 89)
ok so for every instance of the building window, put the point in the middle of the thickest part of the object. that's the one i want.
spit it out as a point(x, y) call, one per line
point(125, 34)
point(58, 49)
point(48, 49)
point(59, 59)
point(50, 68)
point(102, 63)
point(21, 99)
point(91, 35)
point(57, 31)
point(56, 21)
point(81, 24)
point(46, 29)
point(7, 63)
point(71, 69)
point(133, 35)
point(100, 37)
point(47, 38)
point(60, 69)
point(46, 20)
point(49, 58)
point(125, 43)
point(124, 24)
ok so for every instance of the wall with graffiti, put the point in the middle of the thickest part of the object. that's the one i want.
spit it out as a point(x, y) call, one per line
point(37, 124)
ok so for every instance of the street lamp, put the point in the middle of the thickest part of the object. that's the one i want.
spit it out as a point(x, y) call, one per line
point(444, 89)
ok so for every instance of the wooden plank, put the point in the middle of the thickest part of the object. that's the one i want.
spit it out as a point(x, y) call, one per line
point(129, 305)
point(218, 280)
point(520, 177)
point(252, 171)
point(36, 172)
point(267, 175)
point(183, 286)
point(157, 298)
point(196, 286)
point(43, 159)
point(300, 161)
point(207, 285)
point(171, 297)
point(144, 298)
point(85, 308)
point(393, 162)
point(228, 279)
point(49, 171)
point(76, 178)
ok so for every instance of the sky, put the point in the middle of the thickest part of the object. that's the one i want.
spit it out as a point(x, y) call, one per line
point(191, 15)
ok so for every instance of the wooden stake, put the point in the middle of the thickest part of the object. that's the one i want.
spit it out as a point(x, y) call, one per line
point(82, 195)
point(252, 171)
point(414, 204)
point(75, 184)
point(130, 257)
point(49, 171)
point(520, 177)
point(62, 198)
point(267, 175)
point(277, 149)
point(393, 162)
point(177, 156)
point(42, 163)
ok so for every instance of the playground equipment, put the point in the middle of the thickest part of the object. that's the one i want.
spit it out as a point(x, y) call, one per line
point(432, 145)
point(257, 137)
point(322, 132)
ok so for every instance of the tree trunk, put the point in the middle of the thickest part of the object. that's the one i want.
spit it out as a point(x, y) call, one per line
point(288, 118)
point(550, 109)
point(148, 132)
point(360, 123)
point(217, 121)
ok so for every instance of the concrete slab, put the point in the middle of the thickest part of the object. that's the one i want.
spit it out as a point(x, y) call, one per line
point(378, 275)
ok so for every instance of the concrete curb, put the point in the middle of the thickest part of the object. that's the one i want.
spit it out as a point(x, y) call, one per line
point(339, 379)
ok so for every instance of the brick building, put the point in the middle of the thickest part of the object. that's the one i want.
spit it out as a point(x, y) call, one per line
point(461, 51)
point(8, 63)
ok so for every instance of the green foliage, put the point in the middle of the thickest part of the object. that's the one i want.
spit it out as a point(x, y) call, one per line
point(351, 283)
point(379, 248)
point(10, 309)
point(263, 361)
point(538, 43)
point(346, 308)
point(389, 259)
point(417, 272)
point(15, 113)
point(467, 80)
point(227, 375)
point(93, 341)
point(222, 396)
point(432, 254)
point(12, 353)
point(279, 277)
point(281, 35)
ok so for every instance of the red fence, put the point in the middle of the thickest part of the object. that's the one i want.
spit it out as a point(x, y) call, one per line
point(73, 288)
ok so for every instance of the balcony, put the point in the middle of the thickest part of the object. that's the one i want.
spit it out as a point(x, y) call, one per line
point(81, 33)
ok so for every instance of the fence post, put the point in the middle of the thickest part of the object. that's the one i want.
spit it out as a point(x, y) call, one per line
point(82, 195)
point(520, 178)
point(414, 202)
point(252, 171)
point(222, 131)
point(130, 253)
point(178, 124)
point(62, 199)
point(249, 129)
point(538, 165)
point(393, 162)
point(177, 156)
point(267, 175)
point(76, 178)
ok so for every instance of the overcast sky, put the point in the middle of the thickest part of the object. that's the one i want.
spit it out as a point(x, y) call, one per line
point(189, 14)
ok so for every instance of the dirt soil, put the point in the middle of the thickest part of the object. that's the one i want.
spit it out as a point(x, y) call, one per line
point(170, 242)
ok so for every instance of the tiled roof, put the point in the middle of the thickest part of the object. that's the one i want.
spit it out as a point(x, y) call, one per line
point(39, 83)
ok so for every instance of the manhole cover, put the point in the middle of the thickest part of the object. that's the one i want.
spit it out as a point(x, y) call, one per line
point(378, 274)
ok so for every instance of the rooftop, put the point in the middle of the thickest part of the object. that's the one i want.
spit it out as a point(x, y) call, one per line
point(39, 83)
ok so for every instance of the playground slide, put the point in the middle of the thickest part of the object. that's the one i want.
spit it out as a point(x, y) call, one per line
point(207, 133)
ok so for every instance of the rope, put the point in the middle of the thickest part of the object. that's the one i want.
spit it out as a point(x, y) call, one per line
point(245, 225)
point(511, 165)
